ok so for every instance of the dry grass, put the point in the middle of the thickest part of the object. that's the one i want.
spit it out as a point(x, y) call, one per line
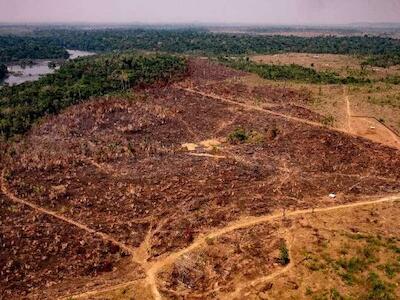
point(334, 256)
point(344, 65)
point(379, 100)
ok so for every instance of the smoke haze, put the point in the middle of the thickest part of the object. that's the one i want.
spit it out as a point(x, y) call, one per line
point(216, 11)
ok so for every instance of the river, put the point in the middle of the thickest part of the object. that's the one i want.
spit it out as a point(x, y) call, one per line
point(18, 74)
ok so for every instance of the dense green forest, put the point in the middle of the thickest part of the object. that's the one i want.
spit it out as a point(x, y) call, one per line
point(291, 72)
point(185, 40)
point(383, 61)
point(380, 50)
point(3, 71)
point(14, 48)
point(80, 79)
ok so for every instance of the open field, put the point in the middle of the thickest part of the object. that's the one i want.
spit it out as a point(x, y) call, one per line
point(344, 65)
point(375, 106)
point(219, 186)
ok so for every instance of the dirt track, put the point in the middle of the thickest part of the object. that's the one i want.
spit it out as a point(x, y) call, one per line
point(154, 268)
point(369, 127)
point(105, 237)
point(248, 222)
point(357, 126)
point(167, 202)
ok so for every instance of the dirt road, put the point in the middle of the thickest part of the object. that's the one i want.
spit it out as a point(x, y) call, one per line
point(369, 127)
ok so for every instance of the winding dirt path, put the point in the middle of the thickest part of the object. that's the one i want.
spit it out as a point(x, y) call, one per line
point(369, 127)
point(153, 268)
point(348, 108)
point(5, 190)
point(140, 255)
point(100, 290)
point(236, 293)
point(363, 127)
point(244, 223)
point(258, 108)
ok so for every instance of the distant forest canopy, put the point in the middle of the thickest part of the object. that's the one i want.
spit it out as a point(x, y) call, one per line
point(299, 73)
point(15, 48)
point(381, 51)
point(3, 71)
point(80, 79)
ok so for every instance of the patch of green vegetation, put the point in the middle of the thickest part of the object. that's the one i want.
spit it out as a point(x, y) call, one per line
point(257, 137)
point(315, 265)
point(391, 269)
point(348, 278)
point(386, 100)
point(358, 265)
point(291, 72)
point(308, 291)
point(15, 48)
point(378, 289)
point(352, 265)
point(284, 257)
point(394, 248)
point(328, 120)
point(383, 61)
point(348, 268)
point(335, 295)
point(200, 40)
point(238, 136)
point(378, 241)
point(332, 294)
point(78, 80)
point(241, 135)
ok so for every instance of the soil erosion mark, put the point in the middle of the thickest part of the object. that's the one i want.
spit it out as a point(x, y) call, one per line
point(244, 223)
point(42, 210)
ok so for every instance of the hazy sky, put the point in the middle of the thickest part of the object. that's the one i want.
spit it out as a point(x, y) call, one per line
point(176, 11)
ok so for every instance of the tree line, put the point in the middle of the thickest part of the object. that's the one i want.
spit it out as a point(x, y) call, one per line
point(200, 41)
point(77, 80)
point(192, 40)
point(3, 71)
point(291, 72)
point(14, 48)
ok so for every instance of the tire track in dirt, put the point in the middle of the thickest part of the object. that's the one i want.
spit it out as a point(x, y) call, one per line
point(350, 131)
point(369, 127)
point(105, 237)
point(152, 269)
point(5, 190)
point(100, 290)
point(287, 268)
point(254, 107)
point(348, 109)
point(244, 223)
point(207, 155)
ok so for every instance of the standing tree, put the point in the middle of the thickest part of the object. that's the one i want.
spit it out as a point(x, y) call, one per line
point(3, 71)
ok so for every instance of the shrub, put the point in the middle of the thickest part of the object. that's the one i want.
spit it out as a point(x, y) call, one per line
point(379, 290)
point(284, 258)
point(328, 120)
point(238, 136)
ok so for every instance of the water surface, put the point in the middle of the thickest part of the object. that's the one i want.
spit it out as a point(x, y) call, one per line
point(18, 74)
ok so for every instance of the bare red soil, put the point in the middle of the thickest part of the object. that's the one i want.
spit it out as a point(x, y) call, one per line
point(282, 100)
point(38, 253)
point(118, 166)
point(223, 263)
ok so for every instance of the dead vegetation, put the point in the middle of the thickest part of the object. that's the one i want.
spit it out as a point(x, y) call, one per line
point(118, 166)
point(342, 259)
point(223, 263)
point(39, 253)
